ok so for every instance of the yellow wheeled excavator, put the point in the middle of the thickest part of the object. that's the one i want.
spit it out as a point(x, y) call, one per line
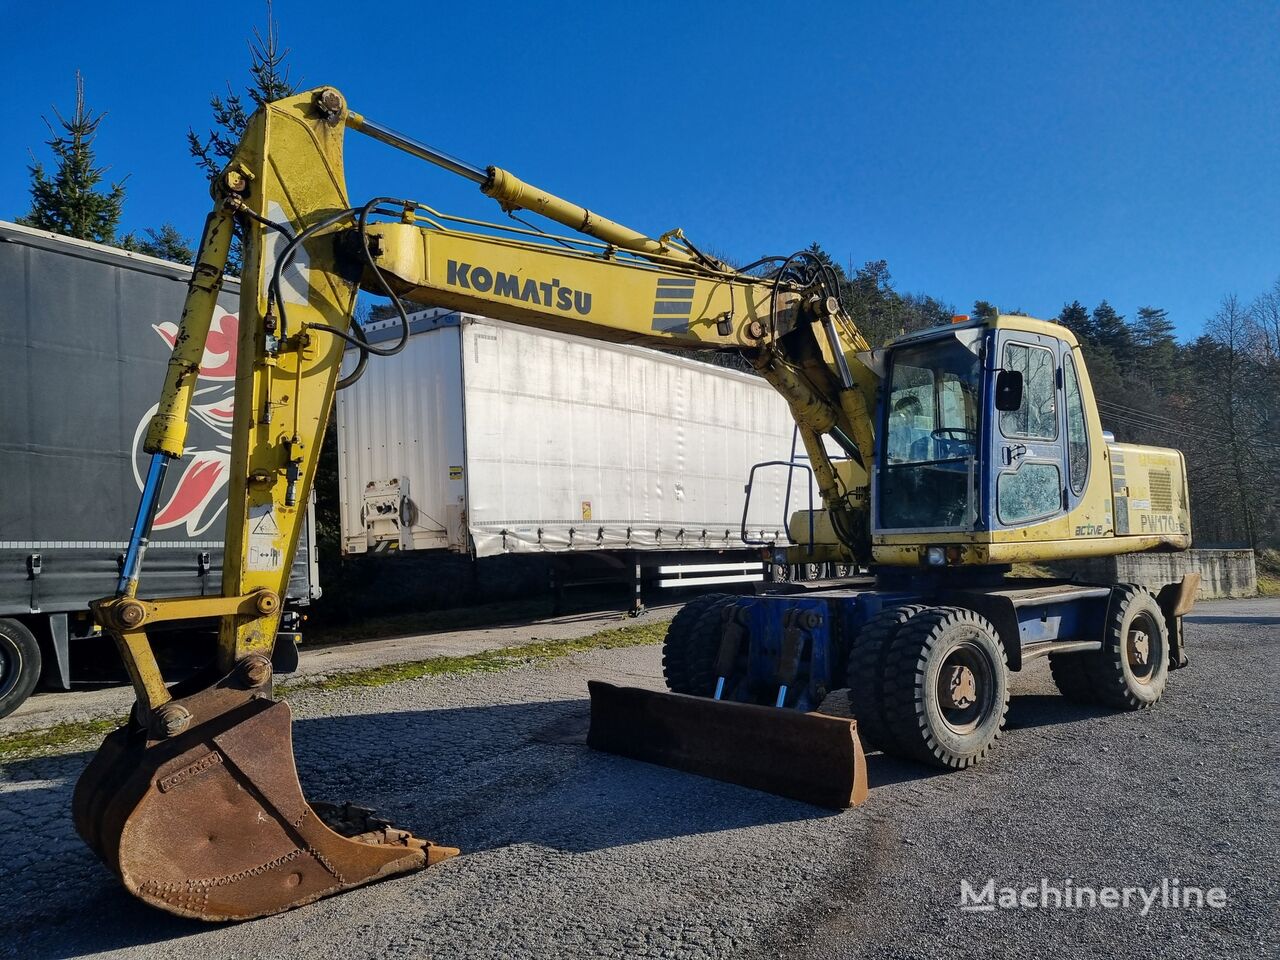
point(941, 460)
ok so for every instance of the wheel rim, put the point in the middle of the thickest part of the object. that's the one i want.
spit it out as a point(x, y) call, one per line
point(1141, 649)
point(8, 671)
point(965, 689)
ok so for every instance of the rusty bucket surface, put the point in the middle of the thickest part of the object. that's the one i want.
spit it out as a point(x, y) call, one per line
point(212, 823)
point(804, 756)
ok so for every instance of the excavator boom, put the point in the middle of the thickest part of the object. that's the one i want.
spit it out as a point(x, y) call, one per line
point(195, 804)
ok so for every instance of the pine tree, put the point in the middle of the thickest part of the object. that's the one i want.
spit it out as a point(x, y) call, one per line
point(1152, 326)
point(815, 250)
point(1076, 319)
point(1154, 346)
point(984, 310)
point(166, 243)
point(1112, 334)
point(269, 73)
point(921, 311)
point(269, 80)
point(70, 202)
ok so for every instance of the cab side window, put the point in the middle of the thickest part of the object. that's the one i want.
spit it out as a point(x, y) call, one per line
point(1077, 438)
point(1037, 418)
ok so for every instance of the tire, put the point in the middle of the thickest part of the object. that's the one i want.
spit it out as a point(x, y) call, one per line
point(865, 673)
point(1071, 675)
point(691, 645)
point(20, 664)
point(1131, 669)
point(930, 719)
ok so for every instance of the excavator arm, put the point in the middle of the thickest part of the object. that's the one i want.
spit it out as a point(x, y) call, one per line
point(195, 803)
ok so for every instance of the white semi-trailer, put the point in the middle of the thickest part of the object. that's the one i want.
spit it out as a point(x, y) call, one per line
point(487, 438)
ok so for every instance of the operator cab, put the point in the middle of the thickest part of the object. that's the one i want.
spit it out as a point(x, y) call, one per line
point(981, 428)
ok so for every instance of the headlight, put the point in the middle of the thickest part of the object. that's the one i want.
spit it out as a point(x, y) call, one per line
point(936, 557)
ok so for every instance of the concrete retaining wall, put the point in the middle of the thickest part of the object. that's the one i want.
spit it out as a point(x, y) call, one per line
point(1223, 573)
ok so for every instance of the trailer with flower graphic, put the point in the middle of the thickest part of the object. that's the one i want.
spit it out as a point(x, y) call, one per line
point(85, 333)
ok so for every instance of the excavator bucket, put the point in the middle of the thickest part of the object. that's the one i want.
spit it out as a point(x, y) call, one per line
point(804, 756)
point(212, 823)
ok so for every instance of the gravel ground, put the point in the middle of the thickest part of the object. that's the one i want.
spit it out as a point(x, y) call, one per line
point(575, 854)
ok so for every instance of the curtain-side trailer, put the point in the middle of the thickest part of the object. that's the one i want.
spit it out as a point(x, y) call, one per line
point(487, 438)
point(85, 333)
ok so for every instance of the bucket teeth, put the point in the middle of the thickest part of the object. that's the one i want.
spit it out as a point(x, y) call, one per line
point(804, 756)
point(213, 824)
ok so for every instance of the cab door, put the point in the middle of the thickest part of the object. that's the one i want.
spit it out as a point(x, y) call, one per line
point(1027, 446)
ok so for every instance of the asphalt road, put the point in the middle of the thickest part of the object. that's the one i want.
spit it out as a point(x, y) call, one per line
point(575, 854)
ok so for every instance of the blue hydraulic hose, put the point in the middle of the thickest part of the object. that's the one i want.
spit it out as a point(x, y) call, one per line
point(142, 526)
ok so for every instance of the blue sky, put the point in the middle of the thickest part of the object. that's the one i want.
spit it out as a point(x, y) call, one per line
point(1023, 153)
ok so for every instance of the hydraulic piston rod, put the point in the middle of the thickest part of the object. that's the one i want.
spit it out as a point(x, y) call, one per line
point(512, 193)
point(417, 148)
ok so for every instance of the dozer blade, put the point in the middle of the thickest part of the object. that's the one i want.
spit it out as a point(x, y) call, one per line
point(804, 756)
point(212, 823)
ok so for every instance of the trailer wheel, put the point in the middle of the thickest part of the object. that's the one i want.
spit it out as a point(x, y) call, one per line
point(946, 688)
point(691, 645)
point(1131, 669)
point(19, 665)
point(865, 672)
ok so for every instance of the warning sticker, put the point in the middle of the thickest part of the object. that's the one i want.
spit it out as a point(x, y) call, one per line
point(263, 554)
point(586, 509)
point(455, 473)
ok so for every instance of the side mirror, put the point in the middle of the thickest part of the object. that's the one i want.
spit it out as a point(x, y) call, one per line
point(1008, 390)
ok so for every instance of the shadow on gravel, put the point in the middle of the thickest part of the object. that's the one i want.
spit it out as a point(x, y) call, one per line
point(487, 777)
point(479, 778)
point(1048, 710)
point(886, 771)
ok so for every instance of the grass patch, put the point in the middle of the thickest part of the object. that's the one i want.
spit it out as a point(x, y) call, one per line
point(38, 743)
point(1268, 573)
point(487, 661)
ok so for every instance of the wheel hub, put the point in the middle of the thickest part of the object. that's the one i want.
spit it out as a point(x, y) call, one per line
point(964, 687)
point(1140, 648)
point(959, 688)
point(1138, 652)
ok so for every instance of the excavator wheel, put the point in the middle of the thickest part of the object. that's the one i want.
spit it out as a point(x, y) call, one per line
point(210, 822)
point(692, 642)
point(865, 674)
point(1132, 668)
point(946, 688)
point(1071, 676)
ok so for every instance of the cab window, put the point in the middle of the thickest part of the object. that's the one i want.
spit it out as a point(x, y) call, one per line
point(1077, 438)
point(932, 399)
point(1031, 492)
point(1037, 418)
